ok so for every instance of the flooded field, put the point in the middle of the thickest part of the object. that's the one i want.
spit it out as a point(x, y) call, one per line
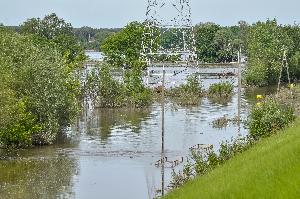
point(111, 153)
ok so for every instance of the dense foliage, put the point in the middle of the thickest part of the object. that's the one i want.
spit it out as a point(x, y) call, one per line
point(268, 117)
point(123, 50)
point(38, 91)
point(124, 47)
point(266, 44)
point(219, 44)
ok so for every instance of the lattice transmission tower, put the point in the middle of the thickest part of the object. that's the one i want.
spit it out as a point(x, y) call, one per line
point(168, 31)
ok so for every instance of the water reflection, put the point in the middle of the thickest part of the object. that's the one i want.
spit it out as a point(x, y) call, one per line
point(104, 121)
point(24, 176)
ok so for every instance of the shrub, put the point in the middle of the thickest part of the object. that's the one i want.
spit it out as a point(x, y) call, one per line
point(106, 91)
point(203, 161)
point(220, 90)
point(136, 94)
point(268, 117)
point(17, 126)
point(189, 93)
point(103, 89)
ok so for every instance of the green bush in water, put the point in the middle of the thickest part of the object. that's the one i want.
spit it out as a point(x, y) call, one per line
point(107, 92)
point(189, 93)
point(220, 90)
point(268, 117)
point(104, 90)
point(136, 94)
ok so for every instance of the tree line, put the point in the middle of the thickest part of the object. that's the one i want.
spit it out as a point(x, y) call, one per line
point(264, 44)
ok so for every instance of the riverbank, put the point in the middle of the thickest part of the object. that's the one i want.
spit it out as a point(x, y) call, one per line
point(270, 169)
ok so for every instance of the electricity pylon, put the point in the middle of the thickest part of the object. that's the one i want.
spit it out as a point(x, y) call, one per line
point(168, 31)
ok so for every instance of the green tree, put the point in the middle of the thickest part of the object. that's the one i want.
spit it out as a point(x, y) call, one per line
point(226, 45)
point(266, 41)
point(101, 36)
point(49, 27)
point(38, 92)
point(124, 47)
point(56, 30)
point(205, 34)
point(293, 32)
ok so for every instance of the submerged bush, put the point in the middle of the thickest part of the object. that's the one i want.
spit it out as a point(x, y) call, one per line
point(189, 93)
point(136, 94)
point(268, 117)
point(221, 122)
point(104, 90)
point(108, 92)
point(220, 90)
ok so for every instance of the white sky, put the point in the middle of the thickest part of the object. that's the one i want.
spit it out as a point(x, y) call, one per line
point(117, 13)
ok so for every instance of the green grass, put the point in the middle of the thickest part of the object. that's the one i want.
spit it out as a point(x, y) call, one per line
point(270, 169)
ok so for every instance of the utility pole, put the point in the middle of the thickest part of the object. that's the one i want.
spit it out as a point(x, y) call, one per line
point(239, 89)
point(163, 133)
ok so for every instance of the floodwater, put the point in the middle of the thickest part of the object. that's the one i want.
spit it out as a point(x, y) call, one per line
point(111, 153)
point(94, 56)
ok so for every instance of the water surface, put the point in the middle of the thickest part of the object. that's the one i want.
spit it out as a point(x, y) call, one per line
point(110, 153)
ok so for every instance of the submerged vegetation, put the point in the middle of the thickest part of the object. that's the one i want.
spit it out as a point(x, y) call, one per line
point(220, 90)
point(220, 93)
point(221, 122)
point(189, 93)
point(108, 92)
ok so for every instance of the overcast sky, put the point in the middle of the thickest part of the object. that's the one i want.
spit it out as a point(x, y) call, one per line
point(117, 13)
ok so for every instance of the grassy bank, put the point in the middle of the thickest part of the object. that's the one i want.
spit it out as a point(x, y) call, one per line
point(270, 169)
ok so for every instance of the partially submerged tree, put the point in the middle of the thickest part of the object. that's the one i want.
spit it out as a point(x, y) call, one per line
point(123, 50)
point(266, 43)
point(38, 91)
